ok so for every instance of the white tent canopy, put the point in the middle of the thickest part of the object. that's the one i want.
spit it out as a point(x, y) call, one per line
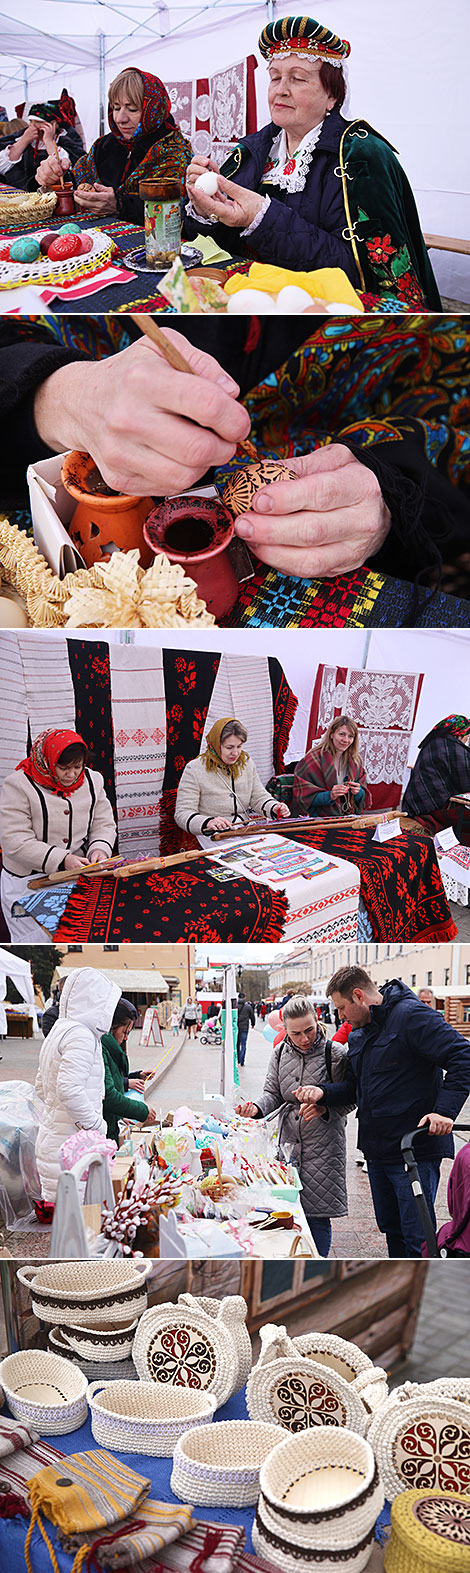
point(404, 70)
point(19, 971)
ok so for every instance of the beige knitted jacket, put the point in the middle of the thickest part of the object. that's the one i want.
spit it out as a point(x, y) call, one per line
point(38, 828)
point(204, 794)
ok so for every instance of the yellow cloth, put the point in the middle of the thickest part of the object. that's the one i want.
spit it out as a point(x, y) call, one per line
point(211, 252)
point(330, 284)
point(98, 1490)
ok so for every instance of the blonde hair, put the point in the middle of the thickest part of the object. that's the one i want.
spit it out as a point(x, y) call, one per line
point(326, 744)
point(128, 84)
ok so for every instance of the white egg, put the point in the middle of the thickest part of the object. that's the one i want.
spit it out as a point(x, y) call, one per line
point(207, 182)
point(292, 299)
point(248, 300)
point(338, 308)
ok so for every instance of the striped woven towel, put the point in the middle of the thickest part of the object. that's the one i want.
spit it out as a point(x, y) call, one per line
point(213, 1547)
point(14, 1436)
point(157, 1527)
point(88, 1493)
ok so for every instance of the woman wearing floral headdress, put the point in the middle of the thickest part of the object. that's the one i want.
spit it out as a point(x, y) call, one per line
point(49, 139)
point(222, 787)
point(54, 814)
point(442, 769)
point(143, 143)
point(312, 189)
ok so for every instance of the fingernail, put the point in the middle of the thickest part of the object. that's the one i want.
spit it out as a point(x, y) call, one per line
point(244, 528)
point(263, 503)
point(228, 383)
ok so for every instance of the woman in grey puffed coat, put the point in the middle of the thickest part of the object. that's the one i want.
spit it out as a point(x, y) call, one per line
point(317, 1148)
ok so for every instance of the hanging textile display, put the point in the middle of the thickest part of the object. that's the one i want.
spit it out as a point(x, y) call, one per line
point(384, 706)
point(214, 112)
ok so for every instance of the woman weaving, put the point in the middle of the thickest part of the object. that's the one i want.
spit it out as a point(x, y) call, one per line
point(331, 780)
point(312, 189)
point(222, 787)
point(54, 814)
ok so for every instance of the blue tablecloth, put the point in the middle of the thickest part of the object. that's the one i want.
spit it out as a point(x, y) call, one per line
point(158, 1470)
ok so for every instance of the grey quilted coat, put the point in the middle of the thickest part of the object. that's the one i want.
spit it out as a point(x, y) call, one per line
point(319, 1151)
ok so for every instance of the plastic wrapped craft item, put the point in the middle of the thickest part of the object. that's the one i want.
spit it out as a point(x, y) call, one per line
point(139, 1417)
point(430, 1533)
point(320, 1497)
point(19, 1178)
point(218, 1466)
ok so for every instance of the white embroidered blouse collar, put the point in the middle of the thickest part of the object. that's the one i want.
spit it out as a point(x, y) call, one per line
point(292, 179)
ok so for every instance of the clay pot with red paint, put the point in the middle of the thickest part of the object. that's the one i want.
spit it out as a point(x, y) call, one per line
point(65, 204)
point(196, 532)
point(103, 520)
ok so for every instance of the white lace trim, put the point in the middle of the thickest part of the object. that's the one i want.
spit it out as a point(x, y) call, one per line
point(295, 180)
point(257, 219)
point(192, 213)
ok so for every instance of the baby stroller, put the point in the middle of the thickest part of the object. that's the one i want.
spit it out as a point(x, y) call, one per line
point(211, 1034)
point(453, 1238)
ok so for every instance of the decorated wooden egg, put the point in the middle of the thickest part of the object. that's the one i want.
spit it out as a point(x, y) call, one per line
point(4, 253)
point(24, 250)
point(86, 243)
point(46, 241)
point(69, 228)
point(241, 487)
point(63, 247)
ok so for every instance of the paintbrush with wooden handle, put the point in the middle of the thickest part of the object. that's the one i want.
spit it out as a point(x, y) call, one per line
point(177, 361)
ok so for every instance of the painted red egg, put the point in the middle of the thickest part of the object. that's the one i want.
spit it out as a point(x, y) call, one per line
point(86, 243)
point(63, 247)
point(4, 253)
point(47, 241)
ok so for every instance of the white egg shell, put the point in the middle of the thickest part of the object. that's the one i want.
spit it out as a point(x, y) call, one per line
point(338, 308)
point(207, 182)
point(292, 299)
point(248, 300)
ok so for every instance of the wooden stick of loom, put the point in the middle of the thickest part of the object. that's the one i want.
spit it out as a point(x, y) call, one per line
point(176, 360)
point(286, 827)
point(115, 866)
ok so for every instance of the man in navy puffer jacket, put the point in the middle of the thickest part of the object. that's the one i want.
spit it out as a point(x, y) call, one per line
point(406, 1068)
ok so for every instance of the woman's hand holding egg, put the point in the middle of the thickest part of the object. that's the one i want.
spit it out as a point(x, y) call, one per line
point(329, 521)
point(200, 197)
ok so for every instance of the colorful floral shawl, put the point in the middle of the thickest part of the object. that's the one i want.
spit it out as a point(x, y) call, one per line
point(317, 773)
point(166, 158)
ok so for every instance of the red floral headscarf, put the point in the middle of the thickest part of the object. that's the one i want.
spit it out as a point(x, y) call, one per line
point(452, 725)
point(40, 765)
point(156, 109)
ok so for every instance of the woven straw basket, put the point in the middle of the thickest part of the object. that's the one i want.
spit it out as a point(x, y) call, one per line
point(32, 207)
point(45, 1391)
point(185, 1349)
point(350, 1362)
point(430, 1533)
point(422, 1442)
point(138, 1417)
point(320, 1497)
point(230, 1314)
point(79, 1293)
point(219, 1465)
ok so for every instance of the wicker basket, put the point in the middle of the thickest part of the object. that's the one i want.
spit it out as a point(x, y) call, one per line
point(185, 1349)
point(106, 1370)
point(430, 1533)
point(230, 1314)
point(350, 1362)
point(31, 207)
point(422, 1442)
point(77, 1293)
point(45, 1391)
point(139, 1417)
point(320, 1497)
point(219, 1465)
point(108, 1341)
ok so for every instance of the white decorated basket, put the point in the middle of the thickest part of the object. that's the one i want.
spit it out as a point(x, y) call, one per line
point(140, 1417)
point(65, 271)
point(320, 1497)
point(230, 1314)
point(293, 1391)
point(350, 1362)
point(109, 1341)
point(45, 1391)
point(421, 1440)
point(185, 1348)
point(80, 1292)
point(219, 1465)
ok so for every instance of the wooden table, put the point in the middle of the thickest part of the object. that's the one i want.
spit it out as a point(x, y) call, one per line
point(16, 1022)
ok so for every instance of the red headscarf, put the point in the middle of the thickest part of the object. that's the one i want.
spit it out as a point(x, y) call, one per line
point(156, 108)
point(40, 766)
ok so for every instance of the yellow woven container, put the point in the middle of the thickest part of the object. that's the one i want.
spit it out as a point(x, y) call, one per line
point(430, 1533)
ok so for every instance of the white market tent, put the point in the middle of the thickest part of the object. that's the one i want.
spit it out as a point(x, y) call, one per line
point(19, 971)
point(406, 74)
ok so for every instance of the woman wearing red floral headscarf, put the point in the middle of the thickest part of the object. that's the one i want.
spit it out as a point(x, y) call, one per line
point(54, 814)
point(441, 771)
point(143, 143)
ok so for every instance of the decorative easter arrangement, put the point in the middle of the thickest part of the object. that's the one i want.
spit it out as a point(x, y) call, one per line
point(53, 257)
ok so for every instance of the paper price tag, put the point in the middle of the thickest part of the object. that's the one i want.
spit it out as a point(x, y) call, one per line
point(445, 839)
point(387, 830)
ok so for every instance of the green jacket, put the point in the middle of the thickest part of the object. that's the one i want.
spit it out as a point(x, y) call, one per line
point(117, 1104)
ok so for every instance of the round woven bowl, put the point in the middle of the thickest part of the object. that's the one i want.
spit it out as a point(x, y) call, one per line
point(33, 207)
point(350, 1362)
point(101, 1341)
point(75, 1293)
point(139, 1417)
point(45, 1390)
point(302, 1394)
point(219, 1465)
point(320, 1497)
point(430, 1533)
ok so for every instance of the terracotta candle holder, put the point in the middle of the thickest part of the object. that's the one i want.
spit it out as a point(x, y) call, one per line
point(65, 204)
point(102, 522)
point(196, 531)
point(242, 485)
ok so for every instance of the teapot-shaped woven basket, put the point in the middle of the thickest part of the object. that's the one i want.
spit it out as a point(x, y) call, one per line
point(185, 1347)
point(229, 1314)
point(320, 1497)
point(350, 1362)
point(293, 1391)
point(421, 1441)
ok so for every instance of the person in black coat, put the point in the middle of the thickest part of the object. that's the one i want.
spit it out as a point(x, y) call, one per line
point(406, 1069)
point(246, 1019)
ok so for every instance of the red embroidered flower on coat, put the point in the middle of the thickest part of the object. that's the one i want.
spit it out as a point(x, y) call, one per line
point(289, 167)
point(380, 248)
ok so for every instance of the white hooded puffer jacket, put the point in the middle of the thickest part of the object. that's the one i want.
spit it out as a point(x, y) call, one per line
point(70, 1078)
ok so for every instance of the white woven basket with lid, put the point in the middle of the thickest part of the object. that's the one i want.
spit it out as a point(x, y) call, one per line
point(80, 1292)
point(422, 1441)
point(230, 1313)
point(45, 1390)
point(185, 1348)
point(218, 1466)
point(140, 1417)
point(320, 1497)
point(287, 1388)
point(350, 1362)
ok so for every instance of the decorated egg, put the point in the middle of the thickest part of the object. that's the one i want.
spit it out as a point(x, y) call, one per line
point(86, 243)
point(24, 250)
point(64, 246)
point(207, 182)
point(247, 301)
point(46, 241)
point(4, 253)
point(69, 229)
point(292, 300)
point(242, 485)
